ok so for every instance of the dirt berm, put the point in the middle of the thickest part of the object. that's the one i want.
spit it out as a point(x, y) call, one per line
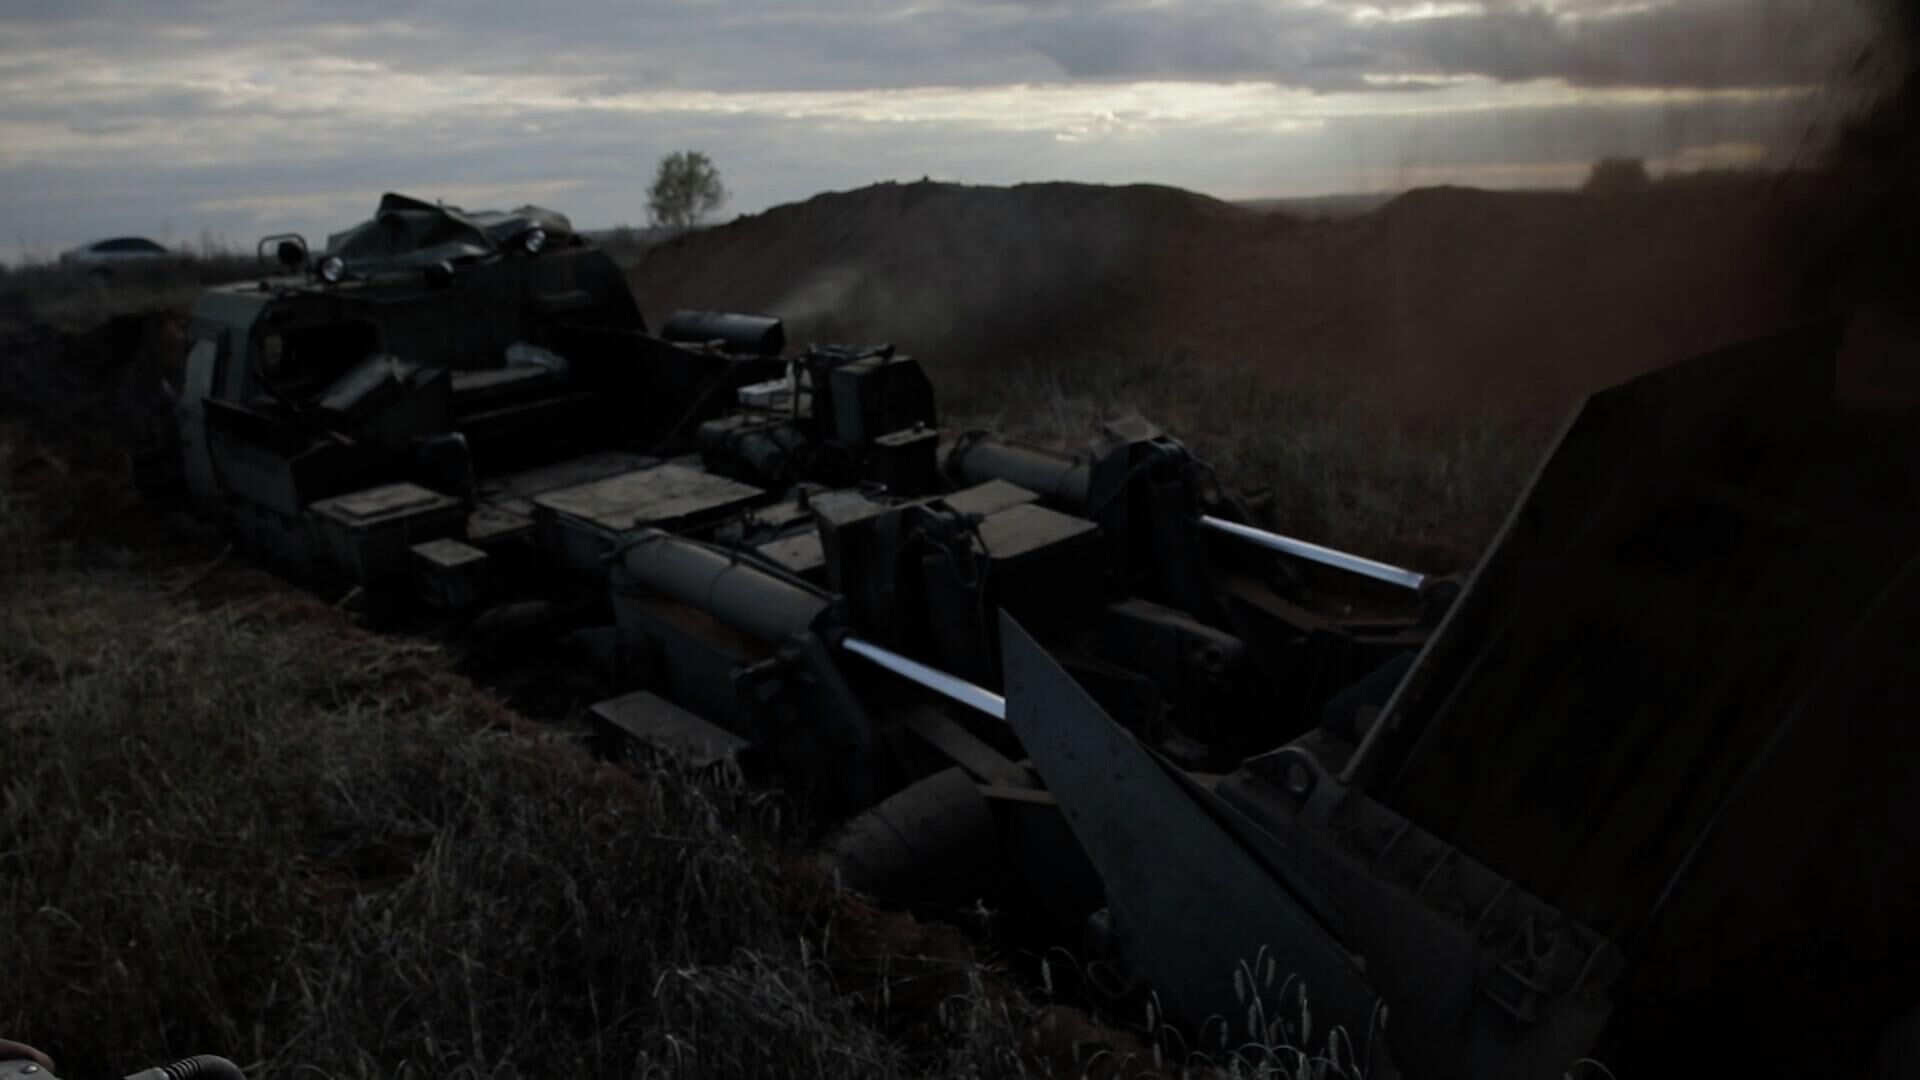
point(1441, 299)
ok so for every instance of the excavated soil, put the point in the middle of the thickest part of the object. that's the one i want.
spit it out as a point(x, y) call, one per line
point(1443, 300)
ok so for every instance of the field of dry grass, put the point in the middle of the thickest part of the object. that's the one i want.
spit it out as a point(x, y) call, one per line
point(73, 299)
point(234, 822)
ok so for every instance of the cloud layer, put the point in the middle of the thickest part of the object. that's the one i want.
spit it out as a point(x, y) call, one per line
point(240, 118)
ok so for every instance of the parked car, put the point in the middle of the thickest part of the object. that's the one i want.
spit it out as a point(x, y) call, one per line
point(101, 256)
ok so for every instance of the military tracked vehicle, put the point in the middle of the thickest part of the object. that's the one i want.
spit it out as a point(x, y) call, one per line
point(1535, 820)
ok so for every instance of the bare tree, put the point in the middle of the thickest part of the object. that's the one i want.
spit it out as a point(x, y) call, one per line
point(1612, 176)
point(685, 190)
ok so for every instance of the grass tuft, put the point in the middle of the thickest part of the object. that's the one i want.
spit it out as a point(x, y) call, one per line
point(76, 298)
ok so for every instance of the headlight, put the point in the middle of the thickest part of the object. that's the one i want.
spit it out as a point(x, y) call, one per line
point(332, 269)
point(533, 240)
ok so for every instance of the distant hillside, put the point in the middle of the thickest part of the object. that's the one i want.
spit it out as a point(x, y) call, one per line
point(1441, 298)
point(958, 273)
point(1316, 207)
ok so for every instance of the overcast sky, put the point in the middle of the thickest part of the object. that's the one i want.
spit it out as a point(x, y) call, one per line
point(176, 118)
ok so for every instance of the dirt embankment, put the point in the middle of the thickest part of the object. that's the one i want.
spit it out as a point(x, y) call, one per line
point(1442, 299)
point(956, 273)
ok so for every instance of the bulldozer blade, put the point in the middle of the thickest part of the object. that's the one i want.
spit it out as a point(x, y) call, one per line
point(1195, 912)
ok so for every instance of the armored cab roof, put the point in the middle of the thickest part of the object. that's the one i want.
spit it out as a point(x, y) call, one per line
point(407, 232)
point(410, 234)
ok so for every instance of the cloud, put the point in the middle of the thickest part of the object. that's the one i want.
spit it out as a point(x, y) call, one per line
point(871, 44)
point(1335, 46)
point(1673, 43)
point(127, 116)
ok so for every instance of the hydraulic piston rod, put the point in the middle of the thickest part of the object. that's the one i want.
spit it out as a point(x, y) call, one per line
point(938, 681)
point(1325, 556)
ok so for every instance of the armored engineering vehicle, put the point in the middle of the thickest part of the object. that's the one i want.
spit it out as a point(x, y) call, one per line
point(1532, 821)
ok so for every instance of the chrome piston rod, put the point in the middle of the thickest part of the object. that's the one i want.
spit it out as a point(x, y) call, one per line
point(960, 690)
point(1325, 556)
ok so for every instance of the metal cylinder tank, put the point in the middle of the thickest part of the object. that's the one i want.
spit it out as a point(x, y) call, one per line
point(737, 593)
point(758, 335)
point(932, 841)
point(1055, 477)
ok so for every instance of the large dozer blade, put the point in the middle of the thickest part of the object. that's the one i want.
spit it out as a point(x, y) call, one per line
point(1675, 703)
point(1190, 904)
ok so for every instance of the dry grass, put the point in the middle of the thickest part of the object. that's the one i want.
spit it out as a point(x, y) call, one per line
point(71, 298)
point(248, 828)
point(1339, 469)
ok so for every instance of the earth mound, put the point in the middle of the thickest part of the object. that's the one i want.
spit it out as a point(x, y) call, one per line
point(963, 275)
point(1442, 299)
